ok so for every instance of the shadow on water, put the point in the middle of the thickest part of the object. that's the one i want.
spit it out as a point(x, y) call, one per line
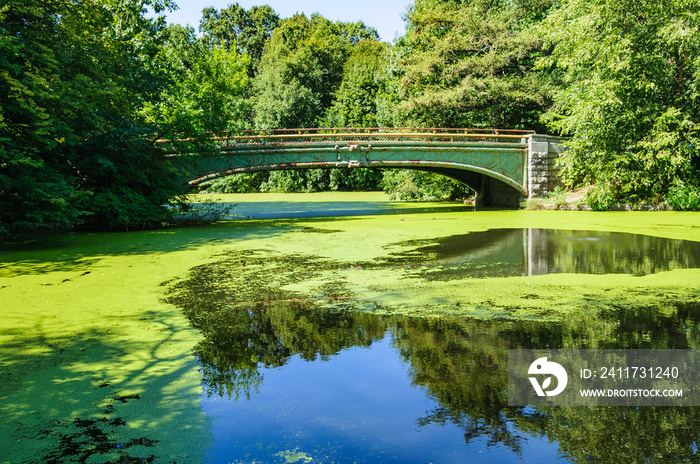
point(56, 395)
point(79, 251)
point(311, 209)
point(252, 324)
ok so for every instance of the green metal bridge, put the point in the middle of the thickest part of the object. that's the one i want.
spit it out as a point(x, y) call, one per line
point(501, 166)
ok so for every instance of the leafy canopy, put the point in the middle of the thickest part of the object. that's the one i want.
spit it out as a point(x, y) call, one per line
point(302, 69)
point(632, 75)
point(86, 88)
point(471, 64)
point(247, 31)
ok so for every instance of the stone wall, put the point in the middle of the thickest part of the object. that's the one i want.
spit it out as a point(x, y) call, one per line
point(543, 174)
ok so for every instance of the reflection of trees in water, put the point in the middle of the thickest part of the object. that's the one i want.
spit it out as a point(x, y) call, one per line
point(615, 252)
point(493, 253)
point(463, 364)
point(239, 341)
point(625, 434)
point(514, 252)
point(249, 321)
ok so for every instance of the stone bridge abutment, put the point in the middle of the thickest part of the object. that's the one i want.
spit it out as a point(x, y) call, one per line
point(543, 173)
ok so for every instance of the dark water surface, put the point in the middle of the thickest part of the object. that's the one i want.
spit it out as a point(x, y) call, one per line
point(515, 252)
point(289, 380)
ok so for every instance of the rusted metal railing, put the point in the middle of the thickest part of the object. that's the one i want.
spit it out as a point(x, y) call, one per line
point(348, 134)
point(362, 134)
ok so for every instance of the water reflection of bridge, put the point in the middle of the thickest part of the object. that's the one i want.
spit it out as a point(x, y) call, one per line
point(502, 166)
point(527, 252)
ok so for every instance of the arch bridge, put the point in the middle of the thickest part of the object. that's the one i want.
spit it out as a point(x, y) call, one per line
point(501, 166)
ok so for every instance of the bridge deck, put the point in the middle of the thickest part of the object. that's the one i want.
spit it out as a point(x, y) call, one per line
point(495, 163)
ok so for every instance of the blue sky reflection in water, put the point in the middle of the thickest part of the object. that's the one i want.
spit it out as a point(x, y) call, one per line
point(294, 375)
point(357, 406)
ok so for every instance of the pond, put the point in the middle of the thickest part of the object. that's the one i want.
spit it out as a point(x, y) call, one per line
point(364, 339)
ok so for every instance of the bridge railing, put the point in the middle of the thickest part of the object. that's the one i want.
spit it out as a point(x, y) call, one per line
point(349, 134)
point(256, 139)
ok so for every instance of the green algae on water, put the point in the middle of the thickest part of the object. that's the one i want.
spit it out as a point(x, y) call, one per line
point(501, 276)
point(94, 365)
point(96, 359)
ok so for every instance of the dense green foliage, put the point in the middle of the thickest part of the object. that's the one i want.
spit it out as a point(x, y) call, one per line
point(316, 73)
point(466, 64)
point(313, 68)
point(471, 64)
point(87, 87)
point(363, 82)
point(72, 79)
point(302, 69)
point(245, 30)
point(409, 185)
point(632, 75)
point(207, 91)
point(301, 180)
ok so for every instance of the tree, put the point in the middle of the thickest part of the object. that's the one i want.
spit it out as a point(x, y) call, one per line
point(356, 99)
point(299, 78)
point(471, 64)
point(33, 194)
point(302, 69)
point(107, 68)
point(248, 31)
point(207, 91)
point(73, 76)
point(632, 75)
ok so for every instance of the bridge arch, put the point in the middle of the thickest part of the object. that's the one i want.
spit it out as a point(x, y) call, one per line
point(491, 188)
point(492, 163)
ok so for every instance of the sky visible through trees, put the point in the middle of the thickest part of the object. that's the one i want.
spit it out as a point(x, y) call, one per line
point(386, 16)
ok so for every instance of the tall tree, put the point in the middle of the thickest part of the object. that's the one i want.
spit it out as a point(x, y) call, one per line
point(356, 100)
point(33, 193)
point(73, 76)
point(631, 102)
point(302, 69)
point(471, 64)
point(207, 90)
point(248, 31)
